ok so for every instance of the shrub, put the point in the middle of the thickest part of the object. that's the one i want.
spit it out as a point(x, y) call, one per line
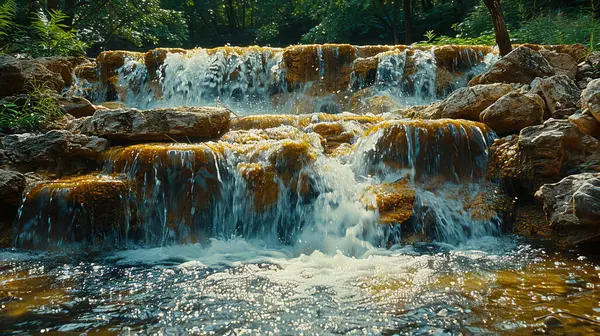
point(560, 28)
point(37, 109)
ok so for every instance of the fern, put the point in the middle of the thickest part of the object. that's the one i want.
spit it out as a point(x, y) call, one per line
point(8, 11)
point(52, 36)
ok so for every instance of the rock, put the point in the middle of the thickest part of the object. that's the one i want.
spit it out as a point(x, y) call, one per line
point(590, 98)
point(582, 84)
point(543, 154)
point(111, 105)
point(78, 107)
point(87, 209)
point(513, 112)
point(16, 74)
point(372, 103)
point(522, 65)
point(394, 201)
point(48, 148)
point(161, 124)
point(572, 207)
point(64, 66)
point(559, 93)
point(563, 64)
point(12, 184)
point(586, 123)
point(466, 103)
point(593, 58)
point(553, 322)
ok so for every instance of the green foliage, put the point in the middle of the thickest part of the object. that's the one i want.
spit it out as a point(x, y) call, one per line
point(8, 11)
point(560, 28)
point(38, 109)
point(51, 37)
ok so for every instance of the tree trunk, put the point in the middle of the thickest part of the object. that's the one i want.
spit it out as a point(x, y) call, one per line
point(407, 22)
point(502, 38)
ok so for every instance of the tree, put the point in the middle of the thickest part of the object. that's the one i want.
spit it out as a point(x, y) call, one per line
point(502, 38)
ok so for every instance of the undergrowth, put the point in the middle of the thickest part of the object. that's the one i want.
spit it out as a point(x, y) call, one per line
point(35, 110)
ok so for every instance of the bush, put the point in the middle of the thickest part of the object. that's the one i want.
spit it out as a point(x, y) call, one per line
point(560, 28)
point(37, 109)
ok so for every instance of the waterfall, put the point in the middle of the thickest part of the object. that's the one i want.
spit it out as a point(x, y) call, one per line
point(298, 79)
point(279, 185)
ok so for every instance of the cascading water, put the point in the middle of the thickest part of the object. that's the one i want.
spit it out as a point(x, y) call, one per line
point(288, 224)
point(278, 185)
point(268, 80)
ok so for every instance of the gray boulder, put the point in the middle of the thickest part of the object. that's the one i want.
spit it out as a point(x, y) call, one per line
point(466, 103)
point(522, 65)
point(560, 93)
point(590, 98)
point(513, 112)
point(572, 207)
point(52, 146)
point(161, 124)
point(16, 74)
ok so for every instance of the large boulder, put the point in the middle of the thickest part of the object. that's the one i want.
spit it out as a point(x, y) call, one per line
point(586, 123)
point(161, 124)
point(48, 148)
point(543, 154)
point(563, 64)
point(590, 98)
point(522, 65)
point(466, 103)
point(16, 74)
point(572, 208)
point(513, 112)
point(560, 93)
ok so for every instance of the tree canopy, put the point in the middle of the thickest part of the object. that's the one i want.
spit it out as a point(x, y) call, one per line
point(34, 26)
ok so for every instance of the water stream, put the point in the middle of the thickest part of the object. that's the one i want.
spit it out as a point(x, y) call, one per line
point(280, 230)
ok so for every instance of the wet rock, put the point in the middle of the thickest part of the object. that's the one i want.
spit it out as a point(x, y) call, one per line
point(563, 64)
point(449, 150)
point(543, 154)
point(161, 124)
point(513, 112)
point(522, 65)
point(553, 322)
point(559, 93)
point(586, 123)
point(48, 148)
point(372, 103)
point(64, 66)
point(83, 209)
point(16, 74)
point(466, 103)
point(572, 207)
point(394, 201)
point(78, 107)
point(12, 184)
point(590, 98)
